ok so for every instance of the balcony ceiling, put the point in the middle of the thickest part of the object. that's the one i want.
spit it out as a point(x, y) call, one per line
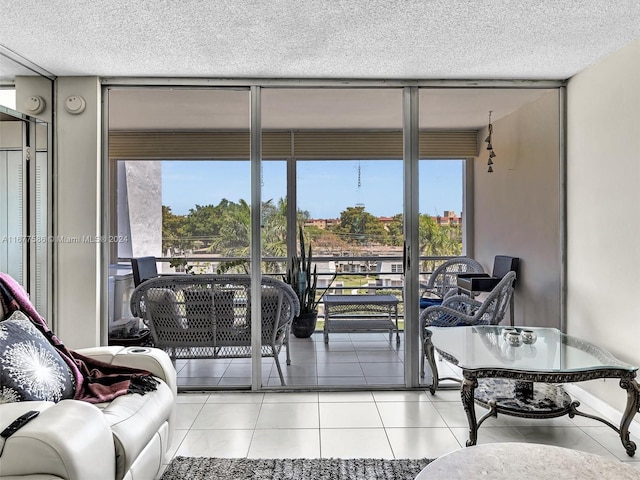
point(321, 39)
point(301, 108)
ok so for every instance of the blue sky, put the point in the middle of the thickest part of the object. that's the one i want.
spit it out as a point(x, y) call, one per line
point(325, 188)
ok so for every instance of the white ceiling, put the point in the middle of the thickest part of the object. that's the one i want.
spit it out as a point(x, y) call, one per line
point(380, 39)
point(315, 39)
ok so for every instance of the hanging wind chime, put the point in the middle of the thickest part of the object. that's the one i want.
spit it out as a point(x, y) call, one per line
point(492, 154)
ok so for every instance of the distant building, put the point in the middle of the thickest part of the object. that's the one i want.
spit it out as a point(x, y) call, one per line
point(386, 221)
point(389, 273)
point(449, 218)
point(322, 223)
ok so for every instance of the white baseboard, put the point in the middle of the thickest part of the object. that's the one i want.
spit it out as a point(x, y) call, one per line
point(604, 409)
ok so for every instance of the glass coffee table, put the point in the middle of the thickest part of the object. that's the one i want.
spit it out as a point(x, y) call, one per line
point(506, 375)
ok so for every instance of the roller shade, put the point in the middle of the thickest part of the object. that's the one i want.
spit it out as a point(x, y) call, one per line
point(311, 145)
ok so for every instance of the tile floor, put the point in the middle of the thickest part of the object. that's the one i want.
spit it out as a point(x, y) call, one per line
point(349, 359)
point(362, 423)
point(382, 424)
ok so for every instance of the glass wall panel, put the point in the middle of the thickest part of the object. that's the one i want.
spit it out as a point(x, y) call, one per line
point(440, 224)
point(180, 169)
point(273, 182)
point(345, 192)
point(477, 185)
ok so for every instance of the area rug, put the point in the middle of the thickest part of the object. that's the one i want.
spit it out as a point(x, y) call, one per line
point(205, 468)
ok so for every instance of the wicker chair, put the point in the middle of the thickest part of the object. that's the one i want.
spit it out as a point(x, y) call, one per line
point(209, 316)
point(461, 310)
point(444, 277)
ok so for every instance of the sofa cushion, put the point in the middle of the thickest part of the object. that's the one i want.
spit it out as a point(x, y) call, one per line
point(31, 369)
point(166, 308)
point(134, 420)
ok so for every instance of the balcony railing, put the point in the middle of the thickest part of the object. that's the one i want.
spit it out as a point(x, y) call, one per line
point(371, 279)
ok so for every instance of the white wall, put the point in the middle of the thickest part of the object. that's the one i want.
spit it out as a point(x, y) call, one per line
point(603, 202)
point(516, 208)
point(77, 203)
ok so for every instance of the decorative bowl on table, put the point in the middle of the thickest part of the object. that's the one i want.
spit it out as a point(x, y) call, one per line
point(529, 337)
point(507, 330)
point(514, 339)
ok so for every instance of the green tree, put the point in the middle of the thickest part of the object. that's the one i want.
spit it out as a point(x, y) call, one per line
point(204, 223)
point(173, 230)
point(274, 228)
point(438, 240)
point(234, 232)
point(360, 227)
point(396, 230)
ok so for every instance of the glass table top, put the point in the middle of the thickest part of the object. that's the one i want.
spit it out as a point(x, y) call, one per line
point(483, 347)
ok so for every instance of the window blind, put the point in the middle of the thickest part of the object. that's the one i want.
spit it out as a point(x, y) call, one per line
point(304, 145)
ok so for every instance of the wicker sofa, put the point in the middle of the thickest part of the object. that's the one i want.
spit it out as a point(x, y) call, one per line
point(209, 316)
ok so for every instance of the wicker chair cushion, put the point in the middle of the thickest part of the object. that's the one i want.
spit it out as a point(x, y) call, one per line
point(430, 302)
point(204, 306)
point(165, 306)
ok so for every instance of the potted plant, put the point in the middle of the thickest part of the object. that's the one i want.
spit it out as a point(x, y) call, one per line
point(304, 282)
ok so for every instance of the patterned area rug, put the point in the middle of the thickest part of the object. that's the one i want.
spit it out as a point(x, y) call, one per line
point(204, 468)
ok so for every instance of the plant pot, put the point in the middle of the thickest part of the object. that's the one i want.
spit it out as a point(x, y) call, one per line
point(304, 324)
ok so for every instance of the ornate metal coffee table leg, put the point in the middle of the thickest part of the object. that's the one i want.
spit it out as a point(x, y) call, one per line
point(633, 406)
point(469, 385)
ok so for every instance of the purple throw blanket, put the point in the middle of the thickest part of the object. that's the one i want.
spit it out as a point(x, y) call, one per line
point(95, 381)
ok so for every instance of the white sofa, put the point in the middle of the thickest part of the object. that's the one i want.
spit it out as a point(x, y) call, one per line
point(126, 438)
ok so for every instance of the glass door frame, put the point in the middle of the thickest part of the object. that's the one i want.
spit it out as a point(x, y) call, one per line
point(411, 254)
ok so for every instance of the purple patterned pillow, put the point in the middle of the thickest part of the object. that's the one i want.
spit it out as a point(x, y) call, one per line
point(31, 368)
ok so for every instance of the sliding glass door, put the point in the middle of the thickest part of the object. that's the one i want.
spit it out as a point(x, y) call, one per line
point(343, 149)
point(181, 192)
point(340, 165)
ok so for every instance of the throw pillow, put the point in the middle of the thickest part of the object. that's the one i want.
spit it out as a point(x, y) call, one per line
point(31, 369)
point(166, 309)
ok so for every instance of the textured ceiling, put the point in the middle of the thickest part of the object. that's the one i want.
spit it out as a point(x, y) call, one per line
point(394, 39)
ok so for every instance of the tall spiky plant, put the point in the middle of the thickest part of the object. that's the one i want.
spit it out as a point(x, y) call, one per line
point(302, 279)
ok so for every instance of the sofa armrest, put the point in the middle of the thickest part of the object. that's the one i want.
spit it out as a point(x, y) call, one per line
point(150, 359)
point(70, 439)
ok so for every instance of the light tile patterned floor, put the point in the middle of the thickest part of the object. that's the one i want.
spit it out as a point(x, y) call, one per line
point(349, 359)
point(384, 424)
point(388, 424)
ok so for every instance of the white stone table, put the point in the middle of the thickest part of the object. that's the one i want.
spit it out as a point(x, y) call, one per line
point(525, 461)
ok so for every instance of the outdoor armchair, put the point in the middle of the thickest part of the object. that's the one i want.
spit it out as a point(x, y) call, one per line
point(461, 310)
point(444, 278)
